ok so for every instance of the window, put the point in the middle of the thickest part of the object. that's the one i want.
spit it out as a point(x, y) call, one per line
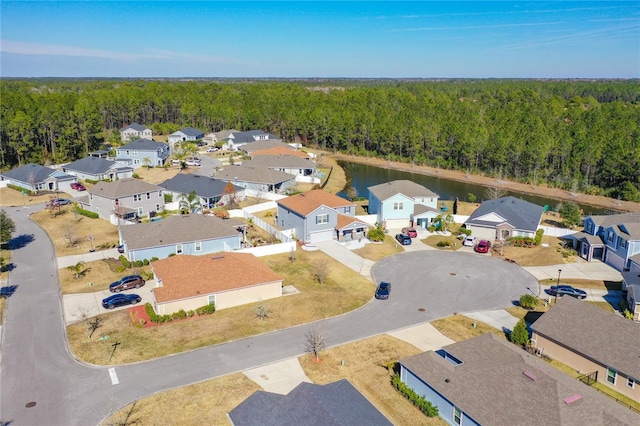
point(179, 249)
point(610, 236)
point(212, 299)
point(159, 194)
point(140, 211)
point(148, 196)
point(631, 383)
point(611, 376)
point(127, 152)
point(457, 416)
point(322, 218)
point(198, 245)
point(157, 207)
point(623, 243)
point(398, 206)
point(137, 197)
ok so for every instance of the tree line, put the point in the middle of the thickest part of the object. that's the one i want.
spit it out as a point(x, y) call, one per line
point(577, 135)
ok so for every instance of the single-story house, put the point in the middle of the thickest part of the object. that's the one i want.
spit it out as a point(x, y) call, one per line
point(268, 144)
point(280, 151)
point(601, 344)
point(503, 218)
point(257, 178)
point(182, 234)
point(334, 404)
point(318, 216)
point(143, 152)
point(124, 201)
point(211, 191)
point(185, 135)
point(486, 380)
point(35, 177)
point(227, 279)
point(135, 131)
point(234, 139)
point(304, 169)
point(96, 168)
point(402, 203)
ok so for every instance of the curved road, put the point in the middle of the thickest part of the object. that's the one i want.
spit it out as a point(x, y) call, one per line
point(37, 367)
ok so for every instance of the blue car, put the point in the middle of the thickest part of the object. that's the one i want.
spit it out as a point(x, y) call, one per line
point(403, 239)
point(120, 300)
point(383, 291)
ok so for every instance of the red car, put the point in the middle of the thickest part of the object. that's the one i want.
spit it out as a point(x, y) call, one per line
point(410, 232)
point(77, 186)
point(483, 246)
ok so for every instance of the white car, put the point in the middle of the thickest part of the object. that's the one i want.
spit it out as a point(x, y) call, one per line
point(469, 241)
point(213, 149)
point(193, 161)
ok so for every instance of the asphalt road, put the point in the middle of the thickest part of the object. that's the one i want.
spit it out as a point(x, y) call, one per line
point(37, 367)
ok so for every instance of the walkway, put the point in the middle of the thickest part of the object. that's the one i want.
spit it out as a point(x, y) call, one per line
point(345, 256)
point(594, 270)
point(65, 261)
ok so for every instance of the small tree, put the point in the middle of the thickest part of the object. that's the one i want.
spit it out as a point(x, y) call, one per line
point(571, 215)
point(315, 342)
point(78, 270)
point(455, 206)
point(494, 192)
point(471, 197)
point(376, 234)
point(146, 161)
point(69, 235)
point(7, 227)
point(262, 310)
point(321, 270)
point(528, 301)
point(520, 335)
point(189, 203)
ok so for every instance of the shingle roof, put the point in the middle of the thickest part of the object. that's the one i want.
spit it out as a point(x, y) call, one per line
point(254, 174)
point(345, 221)
point(268, 144)
point(307, 202)
point(419, 209)
point(204, 186)
point(279, 150)
point(249, 136)
point(143, 145)
point(411, 189)
point(29, 173)
point(614, 219)
point(285, 161)
point(135, 126)
point(122, 188)
point(521, 214)
point(630, 229)
point(186, 276)
point(334, 404)
point(93, 165)
point(600, 335)
point(190, 131)
point(178, 229)
point(490, 386)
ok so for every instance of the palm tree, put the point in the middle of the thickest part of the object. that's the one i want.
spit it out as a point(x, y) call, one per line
point(189, 203)
point(78, 269)
point(146, 161)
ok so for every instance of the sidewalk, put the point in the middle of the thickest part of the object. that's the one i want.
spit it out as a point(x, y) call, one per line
point(345, 256)
point(594, 270)
point(65, 261)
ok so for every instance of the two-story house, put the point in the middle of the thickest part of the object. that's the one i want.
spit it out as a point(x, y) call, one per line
point(143, 152)
point(613, 239)
point(96, 168)
point(318, 216)
point(402, 203)
point(135, 131)
point(124, 201)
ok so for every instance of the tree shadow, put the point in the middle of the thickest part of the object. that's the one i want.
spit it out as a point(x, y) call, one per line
point(532, 316)
point(7, 291)
point(8, 268)
point(20, 241)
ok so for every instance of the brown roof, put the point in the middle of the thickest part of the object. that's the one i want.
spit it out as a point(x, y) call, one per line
point(122, 188)
point(280, 150)
point(498, 383)
point(185, 276)
point(592, 332)
point(408, 188)
point(344, 221)
point(307, 202)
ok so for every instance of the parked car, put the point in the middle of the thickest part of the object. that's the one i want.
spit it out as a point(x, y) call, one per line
point(469, 241)
point(120, 300)
point(383, 291)
point(61, 201)
point(77, 186)
point(483, 246)
point(561, 290)
point(125, 283)
point(193, 161)
point(121, 248)
point(411, 232)
point(213, 149)
point(403, 239)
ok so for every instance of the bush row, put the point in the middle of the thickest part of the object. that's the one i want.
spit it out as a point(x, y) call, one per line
point(19, 188)
point(181, 314)
point(87, 213)
point(422, 404)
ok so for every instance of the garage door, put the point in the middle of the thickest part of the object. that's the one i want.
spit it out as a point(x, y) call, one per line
point(320, 236)
point(615, 261)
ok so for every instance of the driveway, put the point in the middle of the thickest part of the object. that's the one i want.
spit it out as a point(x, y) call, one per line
point(91, 303)
point(594, 270)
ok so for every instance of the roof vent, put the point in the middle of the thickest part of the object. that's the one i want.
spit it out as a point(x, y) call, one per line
point(530, 375)
point(573, 398)
point(217, 257)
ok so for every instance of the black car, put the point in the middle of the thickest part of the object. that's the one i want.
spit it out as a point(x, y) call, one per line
point(120, 300)
point(403, 239)
point(383, 290)
point(561, 290)
point(125, 283)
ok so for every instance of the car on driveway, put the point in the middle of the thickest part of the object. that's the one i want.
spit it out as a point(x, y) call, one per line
point(193, 161)
point(411, 232)
point(125, 283)
point(469, 241)
point(403, 239)
point(561, 290)
point(483, 246)
point(61, 201)
point(120, 300)
point(213, 149)
point(77, 186)
point(384, 290)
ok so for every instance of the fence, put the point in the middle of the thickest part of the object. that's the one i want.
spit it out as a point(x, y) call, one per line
point(556, 232)
point(270, 229)
point(287, 247)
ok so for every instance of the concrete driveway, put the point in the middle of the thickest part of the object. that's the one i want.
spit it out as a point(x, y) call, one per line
point(594, 270)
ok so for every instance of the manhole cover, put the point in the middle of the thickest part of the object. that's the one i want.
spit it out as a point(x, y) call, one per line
point(421, 309)
point(30, 404)
point(452, 273)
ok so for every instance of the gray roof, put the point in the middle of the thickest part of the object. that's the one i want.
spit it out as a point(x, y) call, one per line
point(122, 188)
point(135, 126)
point(206, 187)
point(144, 145)
point(93, 165)
point(337, 403)
point(249, 136)
point(630, 229)
point(614, 219)
point(419, 209)
point(588, 238)
point(408, 188)
point(271, 143)
point(491, 387)
point(178, 229)
point(520, 214)
point(254, 174)
point(602, 336)
point(284, 161)
point(32, 173)
point(190, 131)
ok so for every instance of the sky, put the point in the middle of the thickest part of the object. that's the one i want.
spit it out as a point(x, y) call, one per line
point(419, 39)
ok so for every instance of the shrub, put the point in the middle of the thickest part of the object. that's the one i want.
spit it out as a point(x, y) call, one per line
point(190, 313)
point(135, 176)
point(443, 244)
point(171, 254)
point(153, 259)
point(268, 214)
point(376, 234)
point(138, 263)
point(464, 231)
point(145, 262)
point(522, 241)
point(168, 198)
point(538, 238)
point(520, 335)
point(206, 309)
point(528, 301)
point(125, 262)
point(422, 404)
point(120, 268)
point(91, 181)
point(87, 213)
point(19, 188)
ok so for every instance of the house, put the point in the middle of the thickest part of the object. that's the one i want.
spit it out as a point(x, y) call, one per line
point(227, 279)
point(318, 216)
point(613, 239)
point(268, 144)
point(96, 168)
point(334, 404)
point(486, 380)
point(504, 218)
point(143, 152)
point(182, 234)
point(135, 131)
point(185, 135)
point(124, 201)
point(211, 191)
point(279, 150)
point(235, 140)
point(35, 177)
point(595, 342)
point(257, 179)
point(402, 203)
point(303, 169)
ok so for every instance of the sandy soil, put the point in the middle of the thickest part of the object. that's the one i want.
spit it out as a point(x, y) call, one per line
point(560, 194)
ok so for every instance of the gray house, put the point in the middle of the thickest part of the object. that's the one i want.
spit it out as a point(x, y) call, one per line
point(143, 152)
point(135, 131)
point(183, 234)
point(504, 218)
point(334, 404)
point(35, 177)
point(299, 167)
point(257, 178)
point(236, 140)
point(486, 380)
point(185, 135)
point(95, 168)
point(124, 201)
point(210, 190)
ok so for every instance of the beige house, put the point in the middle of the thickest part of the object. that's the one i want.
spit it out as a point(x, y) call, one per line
point(599, 344)
point(226, 279)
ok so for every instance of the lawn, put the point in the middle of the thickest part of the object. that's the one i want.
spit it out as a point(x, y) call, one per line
point(534, 255)
point(376, 251)
point(98, 277)
point(338, 178)
point(345, 289)
point(156, 175)
point(458, 327)
point(451, 240)
point(11, 197)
